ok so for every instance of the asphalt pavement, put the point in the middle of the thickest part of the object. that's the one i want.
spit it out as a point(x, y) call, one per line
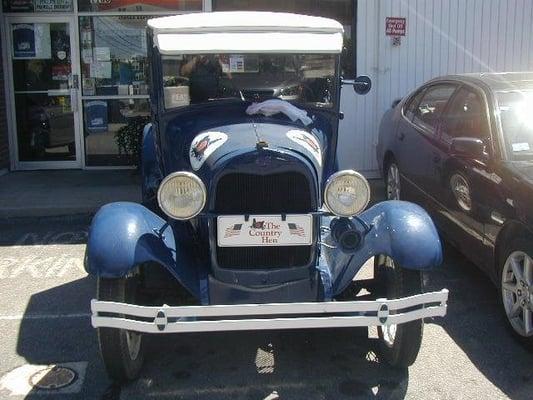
point(44, 319)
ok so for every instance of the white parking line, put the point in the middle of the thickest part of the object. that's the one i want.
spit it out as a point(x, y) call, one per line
point(42, 316)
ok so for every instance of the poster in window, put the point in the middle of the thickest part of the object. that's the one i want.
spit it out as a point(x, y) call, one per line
point(96, 116)
point(31, 41)
point(100, 70)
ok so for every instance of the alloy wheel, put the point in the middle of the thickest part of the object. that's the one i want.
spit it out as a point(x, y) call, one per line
point(517, 292)
point(393, 182)
point(461, 191)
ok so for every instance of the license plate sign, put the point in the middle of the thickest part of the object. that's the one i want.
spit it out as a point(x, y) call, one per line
point(264, 230)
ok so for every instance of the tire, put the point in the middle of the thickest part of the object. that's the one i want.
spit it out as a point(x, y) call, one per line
point(460, 192)
point(122, 351)
point(516, 292)
point(399, 344)
point(392, 181)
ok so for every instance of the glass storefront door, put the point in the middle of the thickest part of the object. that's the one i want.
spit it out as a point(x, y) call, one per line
point(45, 84)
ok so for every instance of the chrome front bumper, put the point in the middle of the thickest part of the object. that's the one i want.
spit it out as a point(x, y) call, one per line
point(335, 314)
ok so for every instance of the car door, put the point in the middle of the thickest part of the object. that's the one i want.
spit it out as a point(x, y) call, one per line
point(467, 183)
point(416, 136)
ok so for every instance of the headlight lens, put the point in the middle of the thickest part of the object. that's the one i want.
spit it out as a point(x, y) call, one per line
point(347, 193)
point(181, 195)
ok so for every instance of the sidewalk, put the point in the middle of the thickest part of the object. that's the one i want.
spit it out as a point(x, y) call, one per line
point(65, 192)
point(74, 192)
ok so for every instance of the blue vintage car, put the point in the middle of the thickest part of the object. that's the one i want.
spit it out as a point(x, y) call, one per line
point(246, 221)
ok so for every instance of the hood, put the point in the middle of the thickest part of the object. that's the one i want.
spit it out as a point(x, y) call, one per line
point(200, 139)
point(207, 148)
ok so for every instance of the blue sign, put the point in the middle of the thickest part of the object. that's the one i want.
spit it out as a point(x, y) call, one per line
point(96, 116)
point(24, 40)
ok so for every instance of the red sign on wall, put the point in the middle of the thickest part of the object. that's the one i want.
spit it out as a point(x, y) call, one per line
point(395, 26)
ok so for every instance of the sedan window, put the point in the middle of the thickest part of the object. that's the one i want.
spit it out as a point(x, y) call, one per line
point(412, 104)
point(466, 116)
point(432, 105)
point(516, 114)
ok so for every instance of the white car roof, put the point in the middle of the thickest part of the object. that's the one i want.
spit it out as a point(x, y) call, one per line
point(246, 32)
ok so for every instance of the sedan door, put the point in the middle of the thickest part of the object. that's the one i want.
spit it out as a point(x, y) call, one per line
point(417, 137)
point(467, 183)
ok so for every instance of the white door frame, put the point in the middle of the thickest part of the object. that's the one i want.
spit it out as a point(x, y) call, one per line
point(75, 96)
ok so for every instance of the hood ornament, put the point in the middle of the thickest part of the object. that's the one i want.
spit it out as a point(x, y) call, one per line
point(261, 144)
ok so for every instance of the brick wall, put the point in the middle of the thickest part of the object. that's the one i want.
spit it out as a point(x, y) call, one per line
point(4, 146)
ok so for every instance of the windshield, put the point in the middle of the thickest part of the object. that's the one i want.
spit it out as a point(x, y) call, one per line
point(300, 78)
point(516, 113)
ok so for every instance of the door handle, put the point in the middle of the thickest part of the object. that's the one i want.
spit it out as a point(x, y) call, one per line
point(401, 136)
point(436, 158)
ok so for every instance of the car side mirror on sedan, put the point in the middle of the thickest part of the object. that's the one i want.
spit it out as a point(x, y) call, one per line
point(468, 147)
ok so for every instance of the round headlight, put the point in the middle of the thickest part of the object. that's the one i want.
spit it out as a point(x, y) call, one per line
point(181, 195)
point(347, 193)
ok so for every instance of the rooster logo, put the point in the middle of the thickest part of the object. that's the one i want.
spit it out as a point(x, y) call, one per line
point(199, 149)
point(258, 224)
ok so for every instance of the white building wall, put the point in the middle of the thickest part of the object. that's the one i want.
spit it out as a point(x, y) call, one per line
point(443, 37)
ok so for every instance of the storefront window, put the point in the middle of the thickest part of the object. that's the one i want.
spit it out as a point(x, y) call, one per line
point(106, 123)
point(37, 5)
point(113, 55)
point(340, 10)
point(139, 5)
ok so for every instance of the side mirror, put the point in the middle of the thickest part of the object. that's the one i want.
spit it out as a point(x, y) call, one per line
point(362, 84)
point(468, 147)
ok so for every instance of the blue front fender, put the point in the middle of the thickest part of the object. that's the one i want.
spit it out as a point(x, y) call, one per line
point(124, 235)
point(400, 230)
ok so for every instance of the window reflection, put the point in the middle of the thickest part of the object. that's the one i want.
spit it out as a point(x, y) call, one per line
point(102, 121)
point(44, 126)
point(113, 55)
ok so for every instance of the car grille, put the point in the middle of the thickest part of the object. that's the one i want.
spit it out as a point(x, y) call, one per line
point(288, 193)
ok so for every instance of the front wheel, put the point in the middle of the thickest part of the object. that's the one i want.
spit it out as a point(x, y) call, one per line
point(516, 287)
point(399, 344)
point(122, 351)
point(392, 181)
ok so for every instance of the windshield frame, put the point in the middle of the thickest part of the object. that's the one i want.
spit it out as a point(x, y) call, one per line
point(158, 85)
point(508, 152)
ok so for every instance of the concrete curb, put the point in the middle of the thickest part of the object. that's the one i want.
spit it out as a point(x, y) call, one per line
point(19, 213)
point(88, 210)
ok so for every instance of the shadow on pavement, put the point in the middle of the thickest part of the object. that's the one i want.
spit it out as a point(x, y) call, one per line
point(476, 323)
point(44, 231)
point(307, 364)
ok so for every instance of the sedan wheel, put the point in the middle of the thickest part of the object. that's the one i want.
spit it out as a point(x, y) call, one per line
point(461, 191)
point(393, 182)
point(517, 292)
